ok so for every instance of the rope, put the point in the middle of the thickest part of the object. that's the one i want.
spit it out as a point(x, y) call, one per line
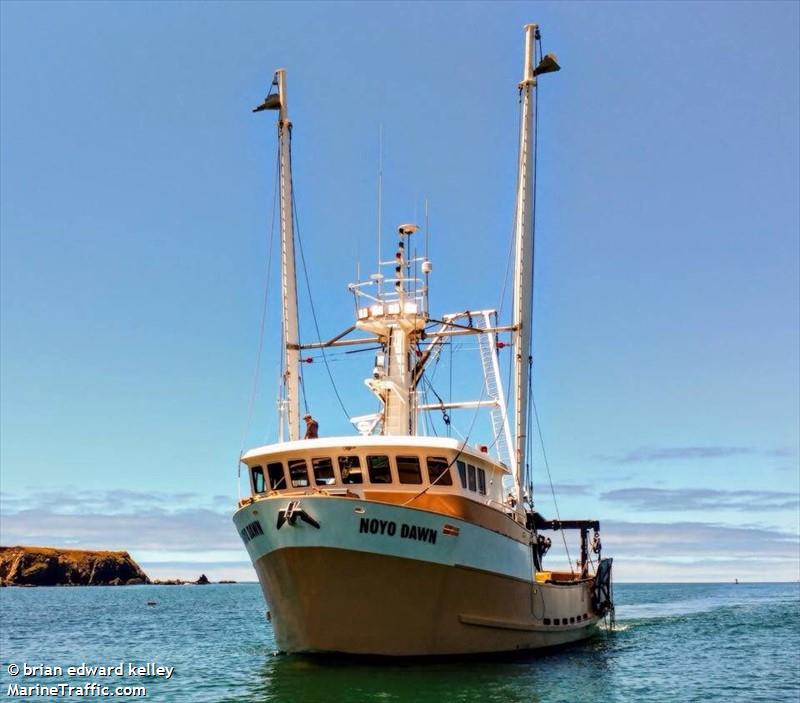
point(455, 459)
point(281, 382)
point(499, 312)
point(310, 297)
point(428, 379)
point(450, 367)
point(513, 224)
point(302, 378)
point(463, 444)
point(526, 477)
point(550, 479)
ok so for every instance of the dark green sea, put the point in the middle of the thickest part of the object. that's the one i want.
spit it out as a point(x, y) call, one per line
point(674, 642)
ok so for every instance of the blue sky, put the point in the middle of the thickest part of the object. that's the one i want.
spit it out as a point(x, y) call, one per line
point(136, 195)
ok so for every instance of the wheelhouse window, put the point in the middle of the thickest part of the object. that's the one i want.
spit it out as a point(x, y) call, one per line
point(462, 473)
point(439, 471)
point(323, 471)
point(277, 479)
point(258, 479)
point(482, 482)
point(408, 470)
point(350, 469)
point(379, 471)
point(471, 477)
point(298, 472)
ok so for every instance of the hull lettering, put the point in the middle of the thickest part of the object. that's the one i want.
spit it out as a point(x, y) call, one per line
point(373, 526)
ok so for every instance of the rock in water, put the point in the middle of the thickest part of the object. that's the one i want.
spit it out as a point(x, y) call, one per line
point(47, 566)
point(203, 580)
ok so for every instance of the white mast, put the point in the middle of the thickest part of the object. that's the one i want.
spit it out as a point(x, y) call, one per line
point(291, 335)
point(396, 313)
point(523, 265)
point(399, 417)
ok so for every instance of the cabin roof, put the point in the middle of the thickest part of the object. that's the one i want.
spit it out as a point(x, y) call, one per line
point(351, 443)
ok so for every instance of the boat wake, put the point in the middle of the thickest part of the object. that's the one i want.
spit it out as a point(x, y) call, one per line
point(640, 613)
point(661, 610)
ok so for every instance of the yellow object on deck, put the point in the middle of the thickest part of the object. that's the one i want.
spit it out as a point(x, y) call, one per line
point(543, 576)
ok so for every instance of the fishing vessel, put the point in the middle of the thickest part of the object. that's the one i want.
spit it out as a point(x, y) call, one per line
point(392, 541)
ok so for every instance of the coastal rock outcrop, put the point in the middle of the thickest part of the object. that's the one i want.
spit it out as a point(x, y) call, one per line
point(47, 566)
point(202, 581)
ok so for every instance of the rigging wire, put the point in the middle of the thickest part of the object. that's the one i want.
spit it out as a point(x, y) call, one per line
point(550, 478)
point(450, 393)
point(532, 403)
point(262, 324)
point(511, 242)
point(302, 379)
point(428, 379)
point(506, 276)
point(453, 347)
point(338, 356)
point(449, 424)
point(455, 458)
point(475, 414)
point(279, 402)
point(310, 297)
point(526, 476)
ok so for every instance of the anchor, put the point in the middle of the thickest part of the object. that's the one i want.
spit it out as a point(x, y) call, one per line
point(293, 511)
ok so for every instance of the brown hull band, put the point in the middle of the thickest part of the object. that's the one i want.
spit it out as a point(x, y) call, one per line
point(349, 602)
point(458, 507)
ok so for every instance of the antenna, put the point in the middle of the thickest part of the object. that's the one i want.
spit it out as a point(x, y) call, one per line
point(426, 265)
point(380, 193)
point(426, 227)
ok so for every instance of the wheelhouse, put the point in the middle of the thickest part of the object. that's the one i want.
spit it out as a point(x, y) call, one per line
point(370, 469)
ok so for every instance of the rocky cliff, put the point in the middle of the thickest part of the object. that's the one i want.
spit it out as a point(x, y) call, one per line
point(46, 566)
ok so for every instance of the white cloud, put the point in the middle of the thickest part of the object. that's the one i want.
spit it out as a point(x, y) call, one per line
point(703, 499)
point(183, 535)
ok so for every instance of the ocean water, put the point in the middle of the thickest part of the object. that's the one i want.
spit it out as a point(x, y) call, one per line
point(674, 642)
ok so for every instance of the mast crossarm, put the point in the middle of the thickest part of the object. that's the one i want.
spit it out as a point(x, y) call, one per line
point(337, 341)
point(340, 343)
point(541, 523)
point(331, 342)
point(449, 322)
point(458, 404)
point(476, 330)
